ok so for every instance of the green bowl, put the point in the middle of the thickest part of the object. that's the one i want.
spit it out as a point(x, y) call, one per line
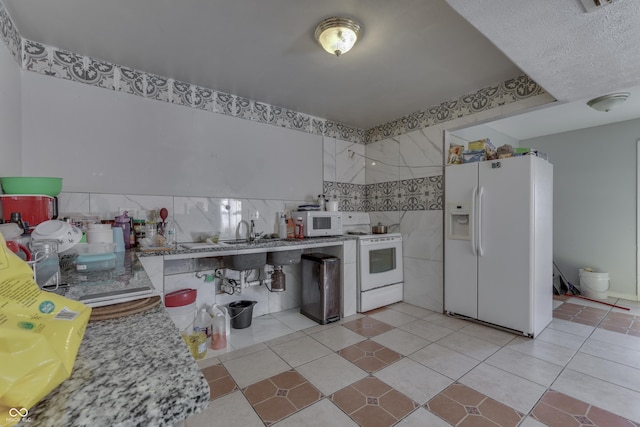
point(31, 185)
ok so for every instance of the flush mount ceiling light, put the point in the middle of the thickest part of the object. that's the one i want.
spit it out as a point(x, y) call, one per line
point(607, 102)
point(337, 35)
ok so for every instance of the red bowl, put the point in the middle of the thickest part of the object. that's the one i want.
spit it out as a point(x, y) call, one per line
point(180, 298)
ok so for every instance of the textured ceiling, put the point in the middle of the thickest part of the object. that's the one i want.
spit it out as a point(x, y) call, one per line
point(573, 54)
point(569, 52)
point(413, 54)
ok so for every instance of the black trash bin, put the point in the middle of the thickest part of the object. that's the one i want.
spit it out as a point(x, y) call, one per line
point(241, 313)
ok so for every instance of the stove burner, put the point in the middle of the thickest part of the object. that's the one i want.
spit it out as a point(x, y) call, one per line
point(357, 233)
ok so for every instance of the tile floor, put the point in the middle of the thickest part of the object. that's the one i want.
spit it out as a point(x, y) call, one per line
point(406, 366)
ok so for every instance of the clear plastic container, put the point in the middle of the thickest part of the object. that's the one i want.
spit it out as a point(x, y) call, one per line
point(96, 262)
point(46, 263)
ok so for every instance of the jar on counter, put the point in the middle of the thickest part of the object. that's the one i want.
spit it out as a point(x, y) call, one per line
point(139, 230)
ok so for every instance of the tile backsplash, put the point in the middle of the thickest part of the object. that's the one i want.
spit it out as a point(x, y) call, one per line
point(417, 194)
point(195, 217)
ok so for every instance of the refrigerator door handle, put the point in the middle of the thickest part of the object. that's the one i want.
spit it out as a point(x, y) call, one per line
point(472, 222)
point(479, 223)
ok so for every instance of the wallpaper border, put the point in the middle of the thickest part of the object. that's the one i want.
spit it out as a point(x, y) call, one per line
point(55, 62)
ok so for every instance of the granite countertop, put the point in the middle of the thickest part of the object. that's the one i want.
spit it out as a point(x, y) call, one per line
point(130, 371)
point(260, 245)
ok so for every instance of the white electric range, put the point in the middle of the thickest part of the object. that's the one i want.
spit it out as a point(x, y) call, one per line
point(380, 274)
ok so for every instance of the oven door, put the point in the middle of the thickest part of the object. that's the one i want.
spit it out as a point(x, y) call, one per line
point(380, 263)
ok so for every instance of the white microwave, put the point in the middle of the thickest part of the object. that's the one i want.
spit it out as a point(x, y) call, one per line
point(320, 223)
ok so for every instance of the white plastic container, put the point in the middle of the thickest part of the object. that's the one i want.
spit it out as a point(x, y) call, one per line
point(181, 306)
point(99, 233)
point(594, 284)
point(203, 322)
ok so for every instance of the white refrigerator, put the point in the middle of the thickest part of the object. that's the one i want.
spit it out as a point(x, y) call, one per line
point(498, 242)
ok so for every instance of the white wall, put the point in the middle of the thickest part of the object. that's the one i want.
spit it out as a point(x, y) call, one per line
point(102, 141)
point(595, 201)
point(10, 114)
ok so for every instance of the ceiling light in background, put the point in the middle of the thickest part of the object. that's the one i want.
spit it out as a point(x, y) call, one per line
point(337, 35)
point(607, 102)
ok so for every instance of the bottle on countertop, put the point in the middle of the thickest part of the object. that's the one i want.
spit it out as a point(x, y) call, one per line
point(171, 232)
point(321, 201)
point(282, 225)
point(290, 228)
point(299, 230)
point(124, 221)
point(138, 228)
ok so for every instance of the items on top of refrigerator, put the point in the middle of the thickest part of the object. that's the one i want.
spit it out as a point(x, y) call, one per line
point(474, 156)
point(478, 145)
point(482, 149)
point(505, 151)
point(455, 154)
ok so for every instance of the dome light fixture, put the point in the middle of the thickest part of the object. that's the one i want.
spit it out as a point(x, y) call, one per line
point(337, 35)
point(607, 102)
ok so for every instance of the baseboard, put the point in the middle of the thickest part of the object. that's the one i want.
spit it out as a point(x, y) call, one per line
point(623, 296)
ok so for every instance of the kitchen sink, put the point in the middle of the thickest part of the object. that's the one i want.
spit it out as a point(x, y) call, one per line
point(289, 257)
point(245, 261)
point(250, 242)
point(236, 242)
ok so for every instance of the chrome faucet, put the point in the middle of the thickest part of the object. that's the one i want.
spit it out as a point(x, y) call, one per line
point(251, 231)
point(248, 235)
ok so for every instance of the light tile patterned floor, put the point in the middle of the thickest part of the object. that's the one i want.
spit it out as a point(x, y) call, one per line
point(421, 368)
